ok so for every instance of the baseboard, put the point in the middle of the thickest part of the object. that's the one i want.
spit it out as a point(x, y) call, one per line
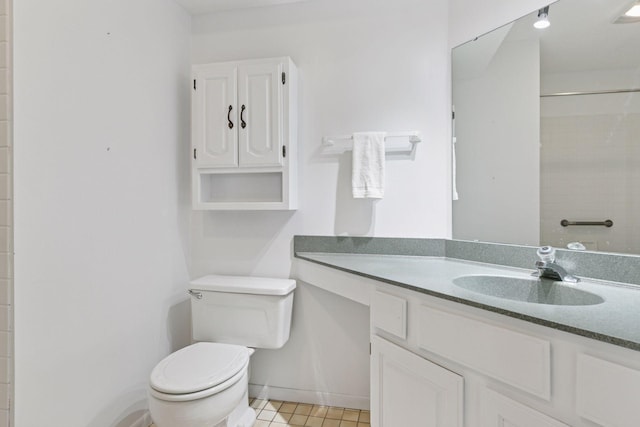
point(309, 396)
point(144, 420)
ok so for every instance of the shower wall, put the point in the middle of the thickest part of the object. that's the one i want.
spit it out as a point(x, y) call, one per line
point(590, 161)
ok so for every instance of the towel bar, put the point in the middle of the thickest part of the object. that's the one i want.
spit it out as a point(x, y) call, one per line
point(607, 223)
point(411, 137)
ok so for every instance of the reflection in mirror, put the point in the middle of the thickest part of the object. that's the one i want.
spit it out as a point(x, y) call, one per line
point(547, 128)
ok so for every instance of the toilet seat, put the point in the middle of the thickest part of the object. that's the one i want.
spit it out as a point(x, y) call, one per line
point(199, 370)
point(200, 394)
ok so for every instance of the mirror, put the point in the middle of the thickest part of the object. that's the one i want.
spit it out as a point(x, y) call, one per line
point(547, 130)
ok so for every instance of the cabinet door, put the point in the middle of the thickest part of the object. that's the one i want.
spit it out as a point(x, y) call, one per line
point(407, 390)
point(500, 411)
point(607, 393)
point(214, 115)
point(260, 114)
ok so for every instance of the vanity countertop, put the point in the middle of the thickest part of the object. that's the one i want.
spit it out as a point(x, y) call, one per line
point(615, 321)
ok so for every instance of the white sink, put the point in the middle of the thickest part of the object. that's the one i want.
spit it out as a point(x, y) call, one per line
point(531, 290)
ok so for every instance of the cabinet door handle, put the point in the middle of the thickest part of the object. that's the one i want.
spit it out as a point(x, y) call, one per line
point(243, 124)
point(229, 117)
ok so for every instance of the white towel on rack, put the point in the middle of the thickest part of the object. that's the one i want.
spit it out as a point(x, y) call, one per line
point(454, 181)
point(367, 175)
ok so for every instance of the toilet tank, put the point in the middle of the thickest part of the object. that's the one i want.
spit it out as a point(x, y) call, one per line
point(249, 311)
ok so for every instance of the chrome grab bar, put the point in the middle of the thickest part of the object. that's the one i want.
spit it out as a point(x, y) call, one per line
point(606, 223)
point(196, 294)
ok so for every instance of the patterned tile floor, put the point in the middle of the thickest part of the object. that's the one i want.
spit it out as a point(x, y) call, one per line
point(272, 413)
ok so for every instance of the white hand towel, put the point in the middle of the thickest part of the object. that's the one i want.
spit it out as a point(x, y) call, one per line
point(453, 170)
point(367, 175)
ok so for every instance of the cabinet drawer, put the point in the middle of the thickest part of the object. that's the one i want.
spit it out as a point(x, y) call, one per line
point(389, 313)
point(607, 393)
point(519, 360)
point(499, 410)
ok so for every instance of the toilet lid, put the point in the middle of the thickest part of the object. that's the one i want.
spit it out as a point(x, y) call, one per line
point(198, 367)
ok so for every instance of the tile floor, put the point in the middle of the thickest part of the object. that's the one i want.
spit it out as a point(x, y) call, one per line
point(272, 413)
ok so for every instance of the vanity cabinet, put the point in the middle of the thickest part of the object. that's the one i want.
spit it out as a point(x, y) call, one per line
point(408, 390)
point(439, 362)
point(500, 411)
point(514, 374)
point(244, 123)
point(520, 360)
point(607, 393)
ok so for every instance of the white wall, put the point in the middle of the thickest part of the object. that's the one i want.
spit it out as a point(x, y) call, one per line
point(364, 65)
point(6, 217)
point(498, 148)
point(326, 360)
point(101, 117)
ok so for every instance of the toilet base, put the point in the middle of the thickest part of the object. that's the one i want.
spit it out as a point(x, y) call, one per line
point(248, 419)
point(242, 416)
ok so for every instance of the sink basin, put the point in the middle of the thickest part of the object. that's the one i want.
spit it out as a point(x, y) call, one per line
point(531, 290)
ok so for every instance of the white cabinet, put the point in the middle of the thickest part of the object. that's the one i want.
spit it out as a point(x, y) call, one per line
point(389, 314)
point(519, 360)
point(607, 393)
point(500, 411)
point(244, 126)
point(260, 100)
point(214, 121)
point(407, 390)
point(515, 373)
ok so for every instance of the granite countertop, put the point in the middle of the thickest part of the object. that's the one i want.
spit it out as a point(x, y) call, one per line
point(615, 321)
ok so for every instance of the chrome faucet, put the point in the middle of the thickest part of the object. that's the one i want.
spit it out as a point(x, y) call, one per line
point(547, 267)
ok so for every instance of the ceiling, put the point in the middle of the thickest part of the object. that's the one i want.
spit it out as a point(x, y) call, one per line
point(583, 36)
point(201, 7)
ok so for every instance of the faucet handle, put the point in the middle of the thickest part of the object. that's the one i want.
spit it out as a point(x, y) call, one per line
point(547, 253)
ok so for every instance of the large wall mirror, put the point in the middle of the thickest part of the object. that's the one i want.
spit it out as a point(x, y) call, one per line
point(547, 130)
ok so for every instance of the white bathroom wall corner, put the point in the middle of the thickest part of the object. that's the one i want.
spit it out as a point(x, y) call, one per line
point(6, 215)
point(101, 105)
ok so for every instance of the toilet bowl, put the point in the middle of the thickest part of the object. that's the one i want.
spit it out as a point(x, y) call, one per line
point(202, 385)
point(206, 384)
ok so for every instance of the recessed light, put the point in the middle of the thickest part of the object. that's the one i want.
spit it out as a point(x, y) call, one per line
point(633, 12)
point(543, 19)
point(632, 15)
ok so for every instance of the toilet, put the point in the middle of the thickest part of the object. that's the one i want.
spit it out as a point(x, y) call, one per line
point(206, 384)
